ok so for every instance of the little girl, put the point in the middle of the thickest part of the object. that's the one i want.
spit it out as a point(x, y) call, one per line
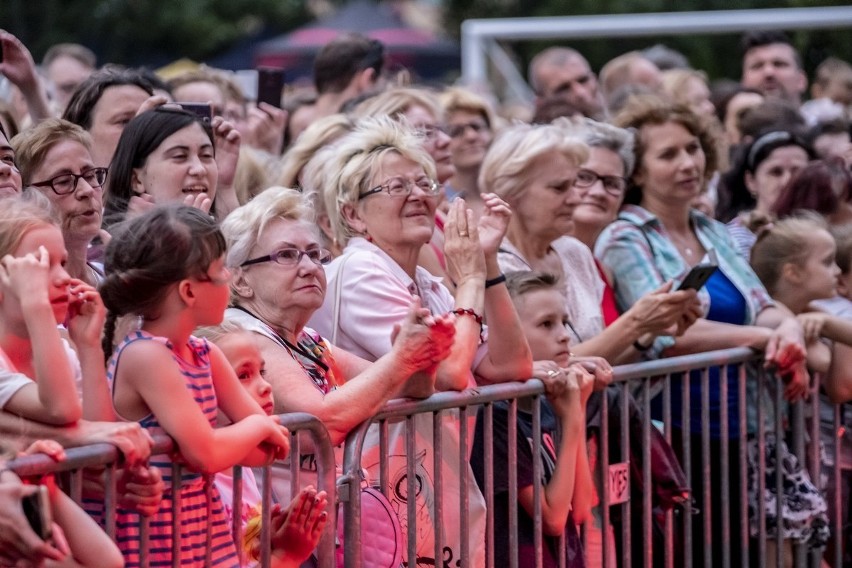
point(795, 260)
point(289, 549)
point(40, 375)
point(167, 267)
point(567, 489)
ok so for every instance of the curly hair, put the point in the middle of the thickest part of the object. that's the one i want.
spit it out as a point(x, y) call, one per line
point(652, 110)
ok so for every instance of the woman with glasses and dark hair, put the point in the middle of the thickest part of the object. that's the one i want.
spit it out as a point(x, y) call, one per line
point(168, 154)
point(55, 158)
point(381, 195)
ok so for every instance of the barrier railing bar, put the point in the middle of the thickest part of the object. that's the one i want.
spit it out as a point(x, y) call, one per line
point(513, 483)
point(625, 452)
point(647, 529)
point(761, 478)
point(537, 485)
point(464, 495)
point(488, 430)
point(687, 467)
point(743, 467)
point(779, 480)
point(707, 505)
point(411, 479)
point(725, 448)
point(603, 460)
point(667, 433)
point(438, 472)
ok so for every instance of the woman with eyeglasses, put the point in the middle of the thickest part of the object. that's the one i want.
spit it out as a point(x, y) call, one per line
point(381, 197)
point(539, 170)
point(278, 282)
point(470, 126)
point(55, 158)
point(421, 110)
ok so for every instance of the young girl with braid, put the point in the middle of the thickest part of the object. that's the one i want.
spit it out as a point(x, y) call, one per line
point(166, 266)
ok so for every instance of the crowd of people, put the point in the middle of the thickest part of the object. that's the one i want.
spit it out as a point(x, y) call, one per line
point(163, 272)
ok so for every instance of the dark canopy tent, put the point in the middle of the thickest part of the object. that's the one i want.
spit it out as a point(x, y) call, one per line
point(428, 56)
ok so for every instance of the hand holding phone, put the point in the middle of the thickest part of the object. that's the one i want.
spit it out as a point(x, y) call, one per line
point(700, 273)
point(38, 513)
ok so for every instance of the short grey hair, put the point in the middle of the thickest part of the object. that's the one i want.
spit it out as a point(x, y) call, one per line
point(506, 168)
point(602, 135)
point(244, 225)
point(357, 156)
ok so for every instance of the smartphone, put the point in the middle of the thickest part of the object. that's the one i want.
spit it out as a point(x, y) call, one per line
point(700, 273)
point(37, 511)
point(201, 110)
point(270, 82)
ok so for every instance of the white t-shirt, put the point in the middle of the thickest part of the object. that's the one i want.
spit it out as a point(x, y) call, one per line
point(581, 283)
point(11, 381)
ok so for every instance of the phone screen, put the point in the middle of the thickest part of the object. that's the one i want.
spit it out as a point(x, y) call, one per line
point(270, 82)
point(37, 511)
point(201, 110)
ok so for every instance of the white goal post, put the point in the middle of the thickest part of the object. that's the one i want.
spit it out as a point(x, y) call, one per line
point(480, 37)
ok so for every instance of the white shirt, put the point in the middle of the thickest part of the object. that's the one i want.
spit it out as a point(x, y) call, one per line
point(11, 381)
point(374, 294)
point(580, 282)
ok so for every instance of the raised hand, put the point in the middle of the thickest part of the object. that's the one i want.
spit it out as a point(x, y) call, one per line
point(27, 278)
point(266, 125)
point(493, 223)
point(462, 247)
point(297, 529)
point(86, 314)
point(227, 139)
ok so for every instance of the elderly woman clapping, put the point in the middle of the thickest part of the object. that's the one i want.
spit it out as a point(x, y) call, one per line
point(381, 196)
point(278, 282)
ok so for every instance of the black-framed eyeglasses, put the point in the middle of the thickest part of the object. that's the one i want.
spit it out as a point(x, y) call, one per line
point(614, 185)
point(456, 130)
point(290, 257)
point(64, 184)
point(398, 187)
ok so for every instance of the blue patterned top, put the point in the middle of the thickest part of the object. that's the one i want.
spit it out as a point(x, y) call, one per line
point(639, 253)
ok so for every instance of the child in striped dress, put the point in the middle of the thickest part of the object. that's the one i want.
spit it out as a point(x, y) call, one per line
point(167, 267)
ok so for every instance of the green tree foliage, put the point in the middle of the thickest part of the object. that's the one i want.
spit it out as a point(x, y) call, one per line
point(135, 32)
point(718, 55)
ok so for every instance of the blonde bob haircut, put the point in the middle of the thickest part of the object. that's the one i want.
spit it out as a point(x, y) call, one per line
point(320, 133)
point(244, 225)
point(509, 163)
point(358, 156)
point(785, 242)
point(459, 99)
point(397, 101)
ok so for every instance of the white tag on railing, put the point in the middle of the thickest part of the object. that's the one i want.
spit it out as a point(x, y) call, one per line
point(619, 483)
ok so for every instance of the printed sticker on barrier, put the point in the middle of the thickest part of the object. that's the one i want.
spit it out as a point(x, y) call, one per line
point(619, 483)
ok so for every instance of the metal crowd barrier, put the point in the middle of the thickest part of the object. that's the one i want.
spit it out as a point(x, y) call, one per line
point(108, 457)
point(699, 532)
point(653, 384)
